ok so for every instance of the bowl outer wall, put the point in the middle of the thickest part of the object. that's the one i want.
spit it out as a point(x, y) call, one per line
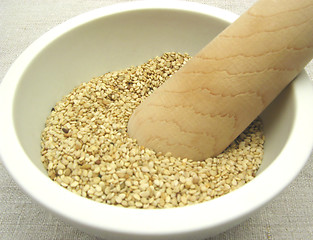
point(224, 210)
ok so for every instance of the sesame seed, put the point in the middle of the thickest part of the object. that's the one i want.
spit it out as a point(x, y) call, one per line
point(65, 130)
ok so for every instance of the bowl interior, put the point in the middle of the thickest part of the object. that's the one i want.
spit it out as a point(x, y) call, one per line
point(114, 42)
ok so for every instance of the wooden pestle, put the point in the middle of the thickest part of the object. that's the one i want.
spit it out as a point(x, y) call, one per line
point(203, 107)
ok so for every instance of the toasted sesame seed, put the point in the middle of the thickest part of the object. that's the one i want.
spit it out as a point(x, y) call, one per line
point(92, 155)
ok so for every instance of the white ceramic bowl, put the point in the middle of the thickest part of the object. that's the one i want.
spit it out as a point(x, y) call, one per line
point(113, 38)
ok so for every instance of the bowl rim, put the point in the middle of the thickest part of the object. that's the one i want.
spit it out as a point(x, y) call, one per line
point(87, 213)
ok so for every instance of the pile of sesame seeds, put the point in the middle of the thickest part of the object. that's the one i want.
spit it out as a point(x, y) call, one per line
point(86, 149)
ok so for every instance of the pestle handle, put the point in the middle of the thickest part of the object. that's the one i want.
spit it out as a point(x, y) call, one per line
point(203, 107)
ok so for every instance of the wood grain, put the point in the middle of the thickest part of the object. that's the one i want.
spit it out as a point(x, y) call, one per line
point(202, 108)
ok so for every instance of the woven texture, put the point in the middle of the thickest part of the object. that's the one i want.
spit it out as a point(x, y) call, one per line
point(288, 216)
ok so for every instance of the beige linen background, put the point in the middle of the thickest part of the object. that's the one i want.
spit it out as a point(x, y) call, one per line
point(288, 216)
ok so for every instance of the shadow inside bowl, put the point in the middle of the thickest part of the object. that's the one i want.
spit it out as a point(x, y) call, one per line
point(278, 119)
